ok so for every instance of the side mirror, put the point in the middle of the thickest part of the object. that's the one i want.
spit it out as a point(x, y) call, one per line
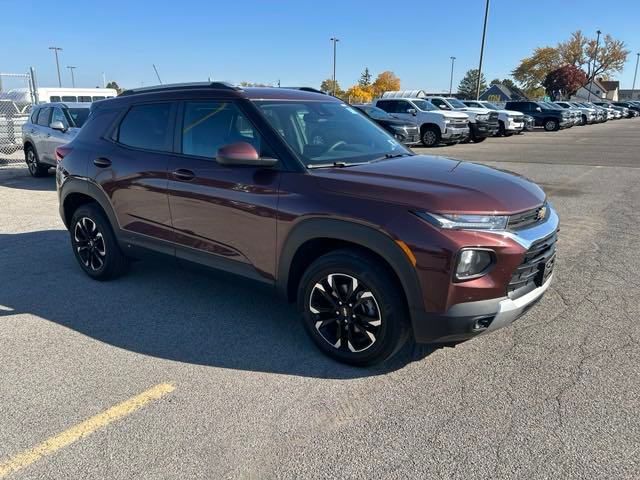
point(58, 125)
point(242, 153)
point(538, 109)
point(412, 111)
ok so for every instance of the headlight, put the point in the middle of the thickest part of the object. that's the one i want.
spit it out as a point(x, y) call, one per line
point(466, 222)
point(472, 263)
point(398, 128)
point(483, 117)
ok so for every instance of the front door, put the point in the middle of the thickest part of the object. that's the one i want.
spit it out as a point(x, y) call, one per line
point(222, 215)
point(55, 138)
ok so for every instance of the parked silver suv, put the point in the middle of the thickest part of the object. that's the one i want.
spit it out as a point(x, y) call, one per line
point(49, 126)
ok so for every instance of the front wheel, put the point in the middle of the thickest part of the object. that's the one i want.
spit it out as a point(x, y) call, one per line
point(551, 125)
point(430, 136)
point(353, 308)
point(479, 139)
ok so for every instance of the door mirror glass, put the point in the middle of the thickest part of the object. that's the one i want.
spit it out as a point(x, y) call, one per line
point(538, 109)
point(412, 111)
point(242, 153)
point(58, 125)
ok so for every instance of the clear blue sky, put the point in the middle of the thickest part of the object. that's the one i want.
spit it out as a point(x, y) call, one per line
point(263, 41)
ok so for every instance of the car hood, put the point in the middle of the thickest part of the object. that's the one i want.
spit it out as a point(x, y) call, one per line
point(453, 114)
point(480, 111)
point(435, 184)
point(512, 113)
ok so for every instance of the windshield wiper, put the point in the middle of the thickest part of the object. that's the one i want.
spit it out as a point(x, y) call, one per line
point(335, 165)
point(388, 156)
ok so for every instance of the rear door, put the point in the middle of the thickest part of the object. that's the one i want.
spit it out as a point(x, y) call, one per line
point(223, 215)
point(39, 132)
point(131, 167)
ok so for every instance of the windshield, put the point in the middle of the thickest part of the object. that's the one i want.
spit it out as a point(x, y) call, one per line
point(77, 116)
point(456, 103)
point(490, 106)
point(424, 105)
point(322, 133)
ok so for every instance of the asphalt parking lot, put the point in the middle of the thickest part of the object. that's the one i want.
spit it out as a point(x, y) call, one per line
point(178, 374)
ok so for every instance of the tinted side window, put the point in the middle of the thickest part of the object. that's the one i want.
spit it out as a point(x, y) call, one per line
point(70, 99)
point(58, 116)
point(84, 99)
point(387, 105)
point(54, 98)
point(207, 126)
point(147, 126)
point(97, 98)
point(403, 107)
point(440, 103)
point(43, 117)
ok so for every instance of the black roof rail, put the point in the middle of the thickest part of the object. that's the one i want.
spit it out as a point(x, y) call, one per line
point(181, 86)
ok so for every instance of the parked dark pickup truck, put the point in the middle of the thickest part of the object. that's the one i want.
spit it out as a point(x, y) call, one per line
point(406, 132)
point(550, 119)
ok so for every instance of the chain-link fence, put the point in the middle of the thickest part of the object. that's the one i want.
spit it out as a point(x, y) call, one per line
point(17, 95)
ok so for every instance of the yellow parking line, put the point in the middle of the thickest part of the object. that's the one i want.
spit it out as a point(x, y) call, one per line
point(55, 443)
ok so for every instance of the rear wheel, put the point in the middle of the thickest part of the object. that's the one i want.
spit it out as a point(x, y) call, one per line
point(33, 163)
point(430, 136)
point(95, 245)
point(352, 308)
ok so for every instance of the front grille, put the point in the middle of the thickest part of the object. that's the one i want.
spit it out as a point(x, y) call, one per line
point(518, 118)
point(493, 116)
point(526, 219)
point(458, 123)
point(536, 267)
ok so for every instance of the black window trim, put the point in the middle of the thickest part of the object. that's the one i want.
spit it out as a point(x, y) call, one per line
point(114, 131)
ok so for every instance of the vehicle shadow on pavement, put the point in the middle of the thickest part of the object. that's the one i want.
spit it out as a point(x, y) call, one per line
point(26, 182)
point(164, 310)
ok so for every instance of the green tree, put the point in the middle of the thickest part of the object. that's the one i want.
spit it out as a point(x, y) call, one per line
point(467, 86)
point(365, 78)
point(327, 87)
point(507, 82)
point(115, 86)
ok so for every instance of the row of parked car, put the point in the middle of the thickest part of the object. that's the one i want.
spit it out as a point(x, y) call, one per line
point(431, 121)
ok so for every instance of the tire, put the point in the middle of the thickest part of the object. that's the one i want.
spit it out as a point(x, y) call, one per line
point(430, 136)
point(551, 125)
point(584, 120)
point(376, 319)
point(33, 163)
point(479, 139)
point(95, 245)
point(502, 131)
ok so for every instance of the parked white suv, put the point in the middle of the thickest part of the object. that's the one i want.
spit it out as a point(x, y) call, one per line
point(435, 125)
point(509, 121)
point(49, 126)
point(588, 115)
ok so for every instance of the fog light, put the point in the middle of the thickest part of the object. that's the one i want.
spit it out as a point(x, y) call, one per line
point(473, 263)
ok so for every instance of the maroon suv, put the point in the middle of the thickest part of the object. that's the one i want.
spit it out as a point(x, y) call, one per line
point(300, 191)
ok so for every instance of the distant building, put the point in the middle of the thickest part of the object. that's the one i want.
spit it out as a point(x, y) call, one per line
point(600, 90)
point(625, 94)
point(501, 93)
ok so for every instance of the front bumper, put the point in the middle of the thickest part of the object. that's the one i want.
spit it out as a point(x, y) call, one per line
point(512, 125)
point(483, 129)
point(455, 133)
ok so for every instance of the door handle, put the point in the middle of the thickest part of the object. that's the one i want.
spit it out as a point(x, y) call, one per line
point(183, 174)
point(48, 135)
point(102, 162)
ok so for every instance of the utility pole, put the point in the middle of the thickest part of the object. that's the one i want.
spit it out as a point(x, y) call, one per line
point(157, 74)
point(453, 59)
point(595, 59)
point(56, 50)
point(104, 80)
point(73, 78)
point(335, 40)
point(635, 75)
point(484, 34)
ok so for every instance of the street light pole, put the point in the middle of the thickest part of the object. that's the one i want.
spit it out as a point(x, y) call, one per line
point(56, 50)
point(73, 78)
point(484, 34)
point(335, 40)
point(595, 59)
point(453, 59)
point(635, 75)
